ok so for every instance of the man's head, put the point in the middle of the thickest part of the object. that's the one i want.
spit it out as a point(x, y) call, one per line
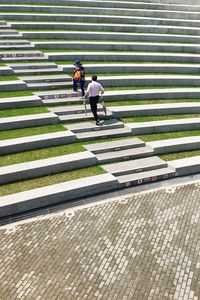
point(94, 77)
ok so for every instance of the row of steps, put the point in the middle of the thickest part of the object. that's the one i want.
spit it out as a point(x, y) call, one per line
point(36, 68)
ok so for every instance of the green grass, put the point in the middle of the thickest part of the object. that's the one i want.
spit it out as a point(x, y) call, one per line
point(179, 155)
point(15, 94)
point(8, 77)
point(17, 133)
point(22, 111)
point(144, 102)
point(168, 135)
point(159, 118)
point(40, 154)
point(49, 180)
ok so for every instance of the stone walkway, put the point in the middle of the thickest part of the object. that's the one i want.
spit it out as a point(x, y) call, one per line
point(143, 246)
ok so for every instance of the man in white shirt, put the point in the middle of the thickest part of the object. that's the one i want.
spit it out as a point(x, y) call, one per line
point(93, 90)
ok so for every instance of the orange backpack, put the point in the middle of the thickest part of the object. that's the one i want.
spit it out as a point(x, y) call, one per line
point(77, 75)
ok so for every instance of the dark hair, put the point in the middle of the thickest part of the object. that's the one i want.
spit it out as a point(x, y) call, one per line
point(94, 77)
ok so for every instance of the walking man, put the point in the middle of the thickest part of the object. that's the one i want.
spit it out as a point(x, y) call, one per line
point(93, 90)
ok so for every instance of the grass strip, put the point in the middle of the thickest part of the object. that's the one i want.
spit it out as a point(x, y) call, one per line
point(179, 155)
point(168, 135)
point(15, 94)
point(8, 78)
point(22, 111)
point(49, 180)
point(144, 102)
point(40, 154)
point(159, 118)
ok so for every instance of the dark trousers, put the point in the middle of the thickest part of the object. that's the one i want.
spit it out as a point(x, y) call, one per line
point(82, 84)
point(93, 105)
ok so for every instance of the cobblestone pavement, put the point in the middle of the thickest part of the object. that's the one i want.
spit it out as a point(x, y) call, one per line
point(144, 246)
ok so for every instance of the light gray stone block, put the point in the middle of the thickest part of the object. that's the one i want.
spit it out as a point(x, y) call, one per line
point(25, 101)
point(109, 133)
point(114, 145)
point(164, 126)
point(6, 71)
point(135, 166)
point(62, 192)
point(186, 166)
point(88, 127)
point(36, 142)
point(28, 121)
point(155, 109)
point(47, 166)
point(175, 145)
point(12, 85)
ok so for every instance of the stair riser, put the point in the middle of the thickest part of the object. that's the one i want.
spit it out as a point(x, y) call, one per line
point(146, 180)
point(45, 87)
point(27, 124)
point(128, 157)
point(97, 128)
point(126, 172)
point(55, 80)
point(114, 135)
point(119, 148)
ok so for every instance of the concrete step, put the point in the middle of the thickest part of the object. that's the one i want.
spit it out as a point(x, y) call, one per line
point(6, 71)
point(20, 54)
point(109, 36)
point(148, 80)
point(125, 56)
point(26, 101)
point(60, 101)
point(120, 145)
point(14, 42)
point(127, 154)
point(110, 68)
point(7, 32)
point(38, 71)
point(102, 19)
point(58, 94)
point(155, 109)
point(90, 127)
point(49, 85)
point(36, 142)
point(47, 166)
point(162, 13)
point(10, 123)
point(34, 66)
point(12, 85)
point(106, 27)
point(164, 126)
point(118, 46)
point(146, 177)
point(82, 117)
point(47, 79)
point(71, 110)
point(12, 36)
point(20, 47)
point(103, 134)
point(115, 4)
point(135, 166)
point(175, 145)
point(53, 194)
point(186, 166)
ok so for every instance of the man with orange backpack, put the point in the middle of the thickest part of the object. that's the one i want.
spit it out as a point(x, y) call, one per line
point(79, 77)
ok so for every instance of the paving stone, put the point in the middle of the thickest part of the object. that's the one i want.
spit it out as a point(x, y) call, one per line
point(28, 121)
point(53, 194)
point(47, 166)
point(88, 127)
point(135, 166)
point(36, 142)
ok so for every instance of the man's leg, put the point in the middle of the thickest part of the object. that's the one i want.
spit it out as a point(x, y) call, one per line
point(93, 105)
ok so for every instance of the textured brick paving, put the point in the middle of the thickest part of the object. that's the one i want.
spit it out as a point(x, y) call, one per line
point(144, 247)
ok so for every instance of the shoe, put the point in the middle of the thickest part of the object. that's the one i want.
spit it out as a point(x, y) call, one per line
point(97, 122)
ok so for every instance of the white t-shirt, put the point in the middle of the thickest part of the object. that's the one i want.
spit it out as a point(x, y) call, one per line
point(94, 88)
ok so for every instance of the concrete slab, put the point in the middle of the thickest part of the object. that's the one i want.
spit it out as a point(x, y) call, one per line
point(186, 166)
point(109, 133)
point(36, 142)
point(66, 191)
point(6, 71)
point(12, 85)
point(48, 166)
point(125, 154)
point(135, 166)
point(175, 145)
point(88, 127)
point(146, 177)
point(47, 78)
point(155, 109)
point(10, 123)
point(164, 126)
point(115, 145)
point(25, 101)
